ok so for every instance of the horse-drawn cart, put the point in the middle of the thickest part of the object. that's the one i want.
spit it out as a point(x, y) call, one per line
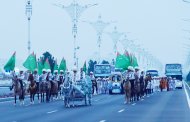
point(80, 91)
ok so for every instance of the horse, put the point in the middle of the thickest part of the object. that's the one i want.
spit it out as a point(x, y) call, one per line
point(137, 90)
point(41, 90)
point(32, 88)
point(18, 91)
point(127, 90)
point(54, 90)
point(48, 86)
point(66, 89)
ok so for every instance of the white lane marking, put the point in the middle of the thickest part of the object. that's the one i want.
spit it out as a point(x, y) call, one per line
point(121, 110)
point(97, 100)
point(27, 105)
point(102, 120)
point(6, 102)
point(134, 104)
point(50, 112)
point(187, 85)
point(142, 99)
point(187, 96)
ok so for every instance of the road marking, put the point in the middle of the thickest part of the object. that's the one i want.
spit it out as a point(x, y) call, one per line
point(121, 110)
point(27, 105)
point(96, 100)
point(134, 104)
point(142, 99)
point(50, 112)
point(187, 85)
point(102, 120)
point(6, 101)
point(187, 96)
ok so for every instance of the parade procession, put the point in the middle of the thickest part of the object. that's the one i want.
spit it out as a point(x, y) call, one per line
point(94, 61)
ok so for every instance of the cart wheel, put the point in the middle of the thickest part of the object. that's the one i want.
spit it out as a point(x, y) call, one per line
point(85, 100)
point(110, 91)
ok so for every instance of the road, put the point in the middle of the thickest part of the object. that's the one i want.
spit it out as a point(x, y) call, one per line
point(159, 107)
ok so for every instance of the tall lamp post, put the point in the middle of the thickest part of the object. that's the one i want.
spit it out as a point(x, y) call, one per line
point(99, 27)
point(115, 36)
point(75, 10)
point(28, 13)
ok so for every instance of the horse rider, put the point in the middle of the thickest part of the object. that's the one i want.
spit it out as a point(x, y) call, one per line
point(21, 80)
point(94, 83)
point(49, 77)
point(75, 75)
point(56, 76)
point(142, 84)
point(61, 76)
point(43, 76)
point(131, 76)
point(36, 77)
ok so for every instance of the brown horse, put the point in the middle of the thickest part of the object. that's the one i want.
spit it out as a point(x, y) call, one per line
point(54, 90)
point(127, 89)
point(32, 88)
point(18, 91)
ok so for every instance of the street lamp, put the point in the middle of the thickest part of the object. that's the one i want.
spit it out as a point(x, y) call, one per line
point(115, 36)
point(75, 10)
point(99, 27)
point(28, 13)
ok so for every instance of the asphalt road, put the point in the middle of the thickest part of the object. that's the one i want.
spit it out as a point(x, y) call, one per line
point(159, 107)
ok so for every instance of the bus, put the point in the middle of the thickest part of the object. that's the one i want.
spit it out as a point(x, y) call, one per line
point(174, 71)
point(103, 70)
point(153, 73)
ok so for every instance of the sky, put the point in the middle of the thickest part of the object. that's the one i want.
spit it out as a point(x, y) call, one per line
point(156, 25)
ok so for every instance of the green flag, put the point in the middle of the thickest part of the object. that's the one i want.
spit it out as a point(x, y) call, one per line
point(121, 61)
point(40, 67)
point(10, 65)
point(135, 62)
point(84, 67)
point(56, 67)
point(62, 65)
point(46, 64)
point(30, 62)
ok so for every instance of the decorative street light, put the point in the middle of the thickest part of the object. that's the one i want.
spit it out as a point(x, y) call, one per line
point(99, 27)
point(115, 36)
point(75, 10)
point(28, 13)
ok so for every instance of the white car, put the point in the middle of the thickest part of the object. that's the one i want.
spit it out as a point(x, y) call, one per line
point(178, 84)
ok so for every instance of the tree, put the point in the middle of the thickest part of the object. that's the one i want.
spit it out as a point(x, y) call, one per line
point(105, 62)
point(50, 58)
point(91, 64)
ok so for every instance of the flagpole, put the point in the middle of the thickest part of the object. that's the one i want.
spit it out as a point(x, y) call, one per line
point(99, 26)
point(29, 15)
point(75, 10)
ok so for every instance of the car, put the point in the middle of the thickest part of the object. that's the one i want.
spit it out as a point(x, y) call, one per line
point(178, 84)
point(115, 83)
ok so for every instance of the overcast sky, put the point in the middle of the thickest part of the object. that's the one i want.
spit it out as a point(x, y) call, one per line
point(156, 24)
